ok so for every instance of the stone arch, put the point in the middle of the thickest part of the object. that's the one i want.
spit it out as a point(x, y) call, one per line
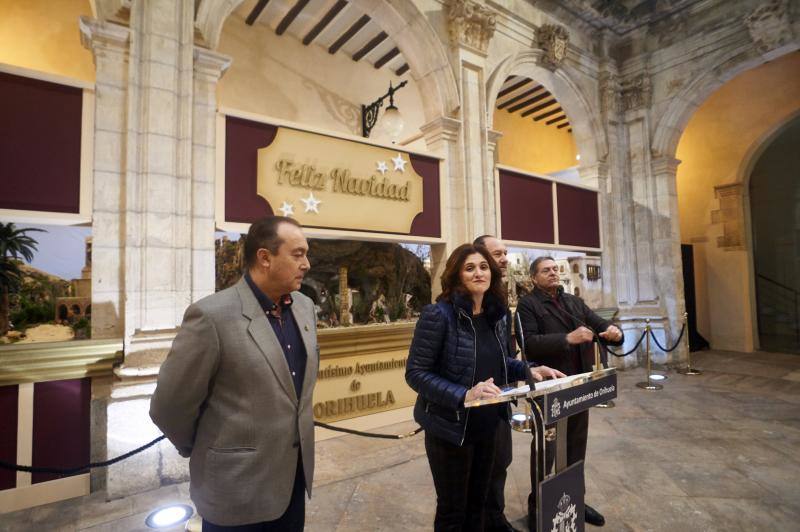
point(758, 147)
point(587, 130)
point(680, 109)
point(405, 24)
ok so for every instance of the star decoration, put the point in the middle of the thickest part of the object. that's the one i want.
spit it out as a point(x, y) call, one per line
point(399, 163)
point(287, 209)
point(311, 203)
point(382, 167)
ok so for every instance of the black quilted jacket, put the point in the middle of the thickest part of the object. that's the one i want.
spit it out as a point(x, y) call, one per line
point(441, 364)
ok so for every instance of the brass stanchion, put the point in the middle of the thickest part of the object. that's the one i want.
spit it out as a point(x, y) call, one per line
point(598, 366)
point(649, 385)
point(688, 370)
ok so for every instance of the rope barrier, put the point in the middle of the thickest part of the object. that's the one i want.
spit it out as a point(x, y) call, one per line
point(73, 470)
point(106, 463)
point(677, 342)
point(369, 434)
point(620, 355)
point(95, 465)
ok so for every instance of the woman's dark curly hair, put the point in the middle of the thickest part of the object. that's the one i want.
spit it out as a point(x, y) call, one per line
point(451, 278)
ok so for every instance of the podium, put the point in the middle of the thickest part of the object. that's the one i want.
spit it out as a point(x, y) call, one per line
point(559, 496)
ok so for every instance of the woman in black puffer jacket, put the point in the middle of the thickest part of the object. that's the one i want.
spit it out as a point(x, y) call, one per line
point(459, 353)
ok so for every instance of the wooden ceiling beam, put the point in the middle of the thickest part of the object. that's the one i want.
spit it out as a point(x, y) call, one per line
point(548, 113)
point(256, 12)
point(324, 21)
point(556, 119)
point(565, 124)
point(367, 48)
point(514, 87)
point(539, 107)
point(284, 24)
point(520, 96)
point(349, 34)
point(391, 54)
point(528, 102)
point(402, 70)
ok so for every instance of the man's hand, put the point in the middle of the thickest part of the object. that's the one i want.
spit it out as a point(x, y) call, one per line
point(543, 372)
point(482, 390)
point(581, 335)
point(612, 334)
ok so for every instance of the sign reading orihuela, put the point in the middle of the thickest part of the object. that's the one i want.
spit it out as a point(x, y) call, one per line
point(324, 181)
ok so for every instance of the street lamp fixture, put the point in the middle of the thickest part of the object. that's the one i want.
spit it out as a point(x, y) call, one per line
point(392, 120)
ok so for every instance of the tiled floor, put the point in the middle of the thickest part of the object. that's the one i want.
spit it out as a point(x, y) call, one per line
point(717, 452)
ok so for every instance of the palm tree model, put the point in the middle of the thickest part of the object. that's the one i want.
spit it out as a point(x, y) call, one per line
point(15, 244)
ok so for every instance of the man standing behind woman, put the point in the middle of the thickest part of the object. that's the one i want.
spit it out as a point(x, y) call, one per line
point(460, 353)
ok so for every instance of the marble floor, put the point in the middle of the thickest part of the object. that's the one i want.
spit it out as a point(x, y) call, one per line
point(716, 452)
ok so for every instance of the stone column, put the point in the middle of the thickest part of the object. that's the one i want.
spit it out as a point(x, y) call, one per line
point(109, 44)
point(471, 26)
point(492, 200)
point(650, 274)
point(153, 220)
point(209, 67)
point(442, 138)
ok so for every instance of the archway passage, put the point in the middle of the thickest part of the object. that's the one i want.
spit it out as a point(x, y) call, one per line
point(537, 134)
point(775, 215)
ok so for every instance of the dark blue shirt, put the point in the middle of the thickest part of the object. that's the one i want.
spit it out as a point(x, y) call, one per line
point(286, 330)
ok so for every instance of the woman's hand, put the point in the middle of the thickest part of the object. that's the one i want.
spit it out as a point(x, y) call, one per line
point(482, 390)
point(543, 372)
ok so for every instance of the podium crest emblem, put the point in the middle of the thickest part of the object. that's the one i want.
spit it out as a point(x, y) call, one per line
point(555, 408)
point(566, 518)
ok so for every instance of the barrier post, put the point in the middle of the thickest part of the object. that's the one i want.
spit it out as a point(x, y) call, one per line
point(688, 370)
point(649, 385)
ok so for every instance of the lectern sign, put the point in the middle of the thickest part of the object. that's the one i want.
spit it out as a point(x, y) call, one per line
point(570, 401)
point(328, 182)
point(561, 501)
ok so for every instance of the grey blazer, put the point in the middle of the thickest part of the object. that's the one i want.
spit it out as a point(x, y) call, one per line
point(225, 398)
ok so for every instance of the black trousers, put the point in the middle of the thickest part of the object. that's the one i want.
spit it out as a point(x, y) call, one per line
point(292, 520)
point(496, 500)
point(461, 478)
point(577, 433)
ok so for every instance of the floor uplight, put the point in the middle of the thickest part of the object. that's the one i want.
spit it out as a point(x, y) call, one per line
point(168, 516)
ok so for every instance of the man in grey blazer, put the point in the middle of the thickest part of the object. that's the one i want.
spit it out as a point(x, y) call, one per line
point(234, 394)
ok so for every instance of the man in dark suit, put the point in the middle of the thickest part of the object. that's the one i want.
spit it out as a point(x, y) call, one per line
point(234, 394)
point(558, 329)
point(496, 520)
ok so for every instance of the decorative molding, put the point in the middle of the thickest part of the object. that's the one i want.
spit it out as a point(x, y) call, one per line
point(52, 361)
point(470, 24)
point(364, 340)
point(99, 37)
point(610, 95)
point(209, 64)
point(211, 16)
point(730, 215)
point(441, 129)
point(553, 40)
point(637, 92)
point(769, 25)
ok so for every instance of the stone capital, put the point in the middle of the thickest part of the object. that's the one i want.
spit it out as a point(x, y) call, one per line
point(769, 26)
point(610, 95)
point(492, 136)
point(441, 129)
point(101, 37)
point(553, 40)
point(470, 24)
point(209, 64)
point(664, 164)
point(636, 92)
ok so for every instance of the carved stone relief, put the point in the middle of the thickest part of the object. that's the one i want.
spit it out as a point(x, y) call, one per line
point(636, 92)
point(553, 40)
point(769, 25)
point(471, 24)
point(610, 95)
